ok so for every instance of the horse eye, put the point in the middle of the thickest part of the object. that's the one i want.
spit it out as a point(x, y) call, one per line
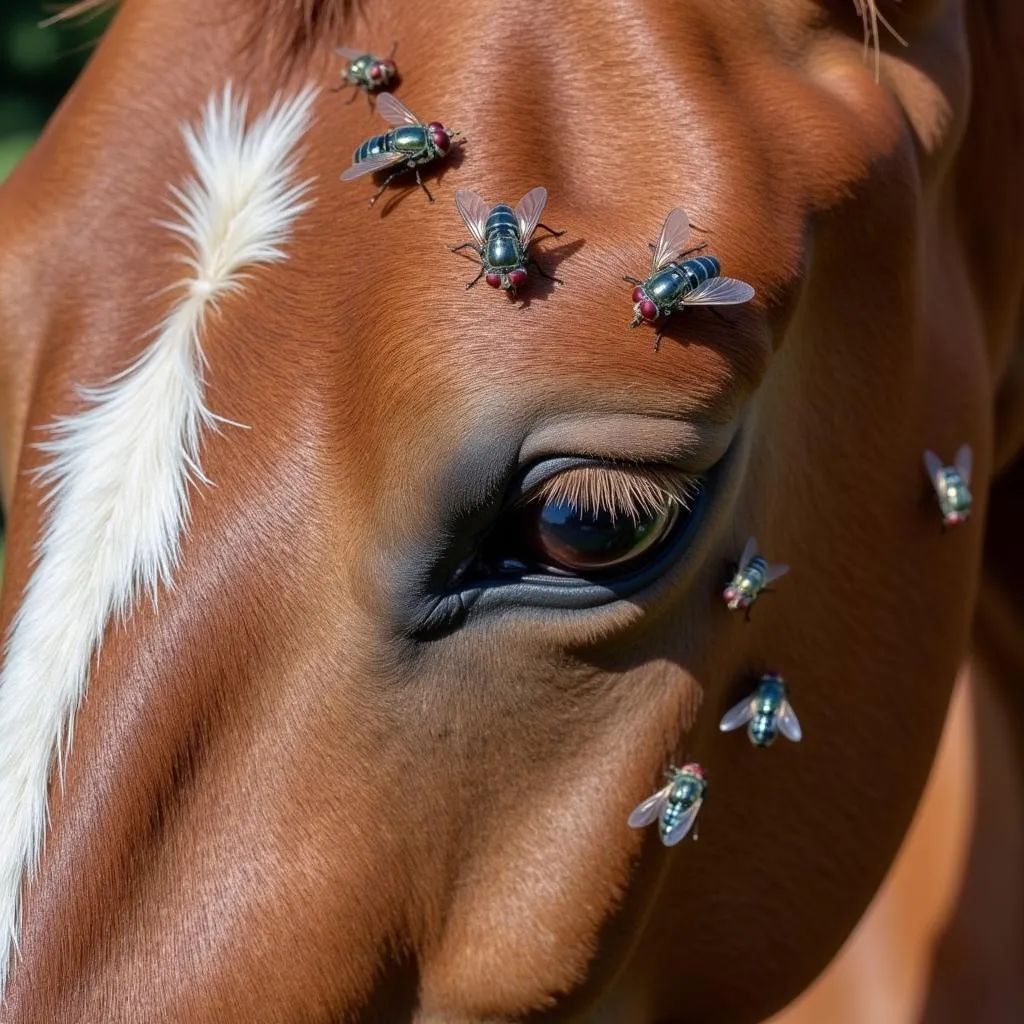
point(587, 541)
point(598, 522)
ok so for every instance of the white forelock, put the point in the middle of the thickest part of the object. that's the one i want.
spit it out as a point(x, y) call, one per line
point(119, 471)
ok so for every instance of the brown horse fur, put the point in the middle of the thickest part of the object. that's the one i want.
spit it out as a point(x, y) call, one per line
point(282, 804)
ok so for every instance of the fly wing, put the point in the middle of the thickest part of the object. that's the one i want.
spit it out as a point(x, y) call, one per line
point(749, 550)
point(775, 572)
point(789, 725)
point(377, 162)
point(963, 462)
point(719, 291)
point(646, 812)
point(528, 212)
point(933, 467)
point(474, 212)
point(675, 233)
point(348, 53)
point(681, 828)
point(394, 111)
point(737, 715)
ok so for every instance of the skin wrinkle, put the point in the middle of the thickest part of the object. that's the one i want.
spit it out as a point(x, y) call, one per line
point(278, 806)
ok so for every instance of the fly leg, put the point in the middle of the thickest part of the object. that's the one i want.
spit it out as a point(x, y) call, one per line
point(394, 50)
point(631, 280)
point(657, 340)
point(475, 279)
point(387, 181)
point(419, 181)
point(552, 231)
point(465, 245)
point(543, 273)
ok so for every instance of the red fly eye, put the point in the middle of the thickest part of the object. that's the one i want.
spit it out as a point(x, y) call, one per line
point(375, 71)
point(638, 294)
point(440, 139)
point(494, 280)
point(517, 277)
point(435, 126)
point(648, 310)
point(391, 67)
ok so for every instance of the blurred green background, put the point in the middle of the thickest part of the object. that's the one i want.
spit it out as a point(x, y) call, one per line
point(36, 68)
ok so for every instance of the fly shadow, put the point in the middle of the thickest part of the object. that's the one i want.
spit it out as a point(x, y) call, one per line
point(434, 172)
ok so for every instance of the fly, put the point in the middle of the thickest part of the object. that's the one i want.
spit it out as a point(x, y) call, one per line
point(766, 713)
point(751, 578)
point(676, 282)
point(952, 485)
point(501, 237)
point(364, 71)
point(675, 806)
point(407, 146)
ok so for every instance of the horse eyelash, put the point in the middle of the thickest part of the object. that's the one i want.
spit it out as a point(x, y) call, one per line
point(632, 491)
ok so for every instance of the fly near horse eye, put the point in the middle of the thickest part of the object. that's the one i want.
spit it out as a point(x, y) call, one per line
point(750, 579)
point(952, 485)
point(675, 806)
point(675, 282)
point(364, 71)
point(766, 713)
point(409, 145)
point(501, 237)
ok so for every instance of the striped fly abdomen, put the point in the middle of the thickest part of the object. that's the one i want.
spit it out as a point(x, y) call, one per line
point(371, 147)
point(502, 247)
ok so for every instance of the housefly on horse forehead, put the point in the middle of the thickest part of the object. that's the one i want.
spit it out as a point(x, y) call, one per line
point(676, 282)
point(366, 72)
point(409, 145)
point(501, 237)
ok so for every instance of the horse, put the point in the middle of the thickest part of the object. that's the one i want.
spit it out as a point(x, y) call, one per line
point(315, 704)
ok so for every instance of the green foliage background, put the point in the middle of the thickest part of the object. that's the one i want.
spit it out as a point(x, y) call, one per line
point(37, 66)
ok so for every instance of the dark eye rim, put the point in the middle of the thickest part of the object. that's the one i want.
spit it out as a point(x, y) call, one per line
point(467, 599)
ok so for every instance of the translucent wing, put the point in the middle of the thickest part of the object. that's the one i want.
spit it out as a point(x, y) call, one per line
point(474, 212)
point(394, 111)
point(749, 550)
point(377, 162)
point(674, 234)
point(348, 53)
point(646, 812)
point(775, 572)
point(789, 725)
point(680, 829)
point(528, 211)
point(963, 461)
point(719, 291)
point(933, 467)
point(738, 715)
